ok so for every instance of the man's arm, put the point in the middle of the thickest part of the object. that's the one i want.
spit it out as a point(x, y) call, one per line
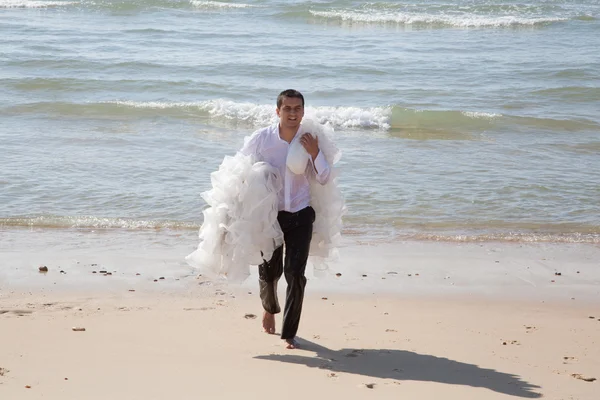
point(317, 158)
point(250, 146)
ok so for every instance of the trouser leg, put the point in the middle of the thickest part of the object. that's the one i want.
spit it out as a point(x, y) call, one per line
point(297, 230)
point(269, 273)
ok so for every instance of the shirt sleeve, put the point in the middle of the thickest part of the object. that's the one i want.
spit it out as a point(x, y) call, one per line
point(321, 168)
point(250, 147)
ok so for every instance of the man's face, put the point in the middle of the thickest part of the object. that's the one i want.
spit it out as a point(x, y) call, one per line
point(291, 112)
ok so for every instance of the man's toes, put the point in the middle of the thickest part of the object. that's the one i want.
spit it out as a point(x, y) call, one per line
point(269, 323)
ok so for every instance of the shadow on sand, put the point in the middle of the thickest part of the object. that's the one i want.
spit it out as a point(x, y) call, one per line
point(404, 365)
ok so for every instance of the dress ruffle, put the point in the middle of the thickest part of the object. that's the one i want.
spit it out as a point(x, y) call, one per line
point(240, 226)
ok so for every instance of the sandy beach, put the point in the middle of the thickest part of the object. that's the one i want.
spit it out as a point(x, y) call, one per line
point(189, 338)
point(469, 132)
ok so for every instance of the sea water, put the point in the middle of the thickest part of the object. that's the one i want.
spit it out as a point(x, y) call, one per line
point(459, 120)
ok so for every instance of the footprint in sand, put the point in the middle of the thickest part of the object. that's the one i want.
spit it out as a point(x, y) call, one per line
point(367, 385)
point(583, 378)
point(20, 313)
point(354, 353)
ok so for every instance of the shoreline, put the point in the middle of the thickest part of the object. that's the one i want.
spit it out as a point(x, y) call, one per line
point(526, 271)
point(365, 233)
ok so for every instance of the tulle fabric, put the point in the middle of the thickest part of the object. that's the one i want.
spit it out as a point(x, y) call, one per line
point(240, 226)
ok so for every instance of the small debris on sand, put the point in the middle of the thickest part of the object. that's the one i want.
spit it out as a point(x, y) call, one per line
point(27, 387)
point(338, 274)
point(132, 290)
point(43, 269)
point(138, 274)
point(94, 272)
point(391, 330)
point(332, 375)
point(364, 276)
point(558, 273)
point(250, 316)
point(591, 317)
point(323, 298)
point(78, 329)
point(103, 272)
point(369, 385)
point(583, 378)
point(392, 273)
point(3, 371)
point(162, 278)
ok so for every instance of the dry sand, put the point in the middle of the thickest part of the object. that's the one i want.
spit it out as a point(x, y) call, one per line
point(163, 346)
point(203, 340)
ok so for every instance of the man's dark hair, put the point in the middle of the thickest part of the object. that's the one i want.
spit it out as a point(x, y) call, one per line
point(289, 93)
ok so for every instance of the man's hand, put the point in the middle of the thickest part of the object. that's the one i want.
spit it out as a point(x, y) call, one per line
point(311, 144)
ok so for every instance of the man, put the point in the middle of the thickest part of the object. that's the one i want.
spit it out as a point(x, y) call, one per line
point(295, 216)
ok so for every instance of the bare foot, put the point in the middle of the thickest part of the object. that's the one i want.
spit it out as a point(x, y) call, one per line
point(269, 323)
point(291, 344)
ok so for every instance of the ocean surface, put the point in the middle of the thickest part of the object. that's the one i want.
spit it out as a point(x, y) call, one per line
point(460, 120)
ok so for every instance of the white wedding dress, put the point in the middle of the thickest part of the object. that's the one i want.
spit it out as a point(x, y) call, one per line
point(240, 226)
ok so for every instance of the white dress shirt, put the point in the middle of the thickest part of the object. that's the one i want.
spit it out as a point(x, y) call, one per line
point(266, 145)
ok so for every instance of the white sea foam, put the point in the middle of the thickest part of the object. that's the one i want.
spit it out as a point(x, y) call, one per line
point(255, 114)
point(260, 114)
point(462, 21)
point(264, 114)
point(353, 117)
point(55, 221)
point(218, 4)
point(34, 3)
point(379, 118)
point(481, 115)
point(152, 104)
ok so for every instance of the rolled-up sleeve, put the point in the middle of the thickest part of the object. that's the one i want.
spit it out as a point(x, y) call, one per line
point(321, 168)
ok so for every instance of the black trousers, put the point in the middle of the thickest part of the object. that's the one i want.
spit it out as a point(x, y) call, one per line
point(297, 232)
